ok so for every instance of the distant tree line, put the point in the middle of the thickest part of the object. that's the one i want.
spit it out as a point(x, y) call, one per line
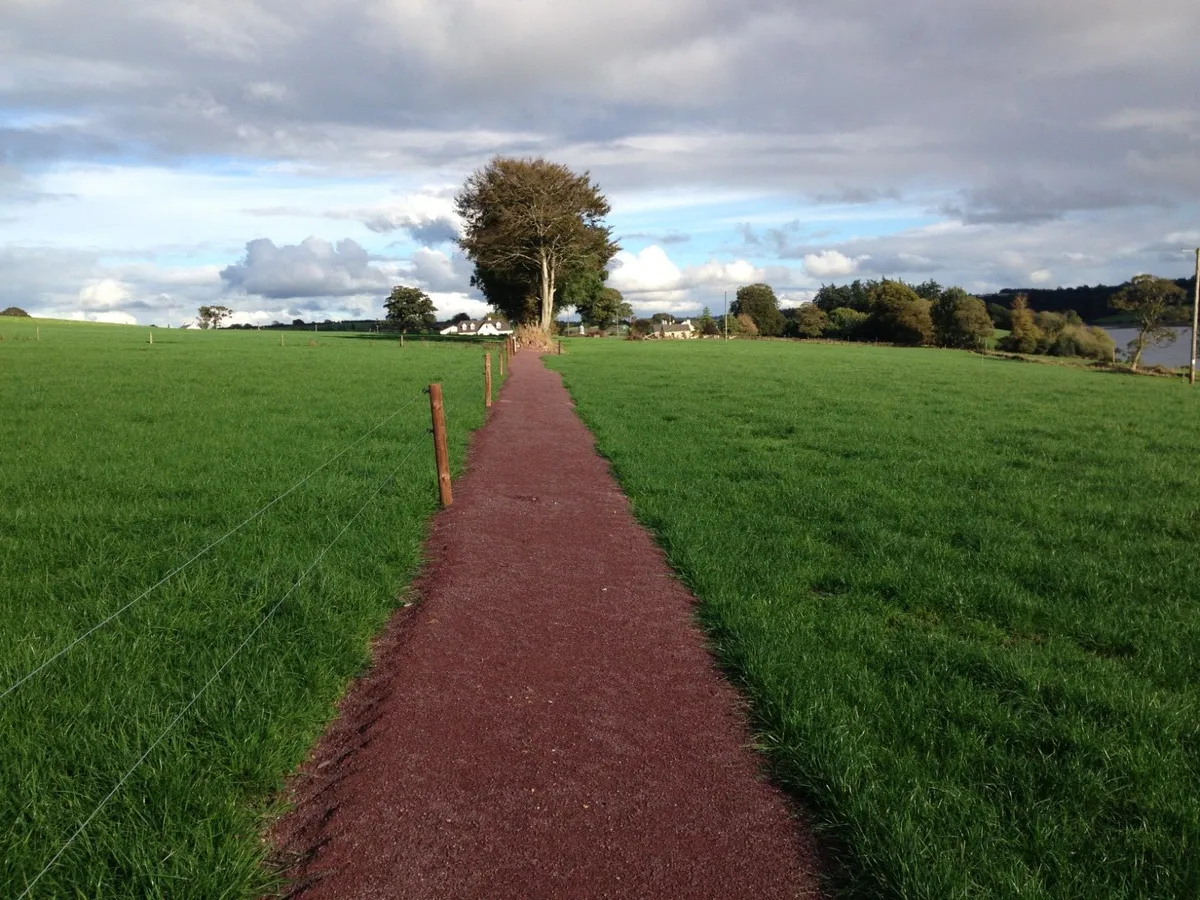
point(1091, 304)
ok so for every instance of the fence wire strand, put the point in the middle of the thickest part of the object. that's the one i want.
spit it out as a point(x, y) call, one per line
point(217, 674)
point(201, 553)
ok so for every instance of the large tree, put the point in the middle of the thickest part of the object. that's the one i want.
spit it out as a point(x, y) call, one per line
point(605, 309)
point(758, 301)
point(213, 316)
point(1151, 300)
point(410, 308)
point(899, 315)
point(530, 226)
point(960, 320)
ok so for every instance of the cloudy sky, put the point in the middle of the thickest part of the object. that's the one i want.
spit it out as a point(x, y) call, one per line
point(297, 159)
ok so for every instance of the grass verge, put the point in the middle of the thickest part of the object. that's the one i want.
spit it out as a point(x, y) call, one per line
point(960, 595)
point(122, 460)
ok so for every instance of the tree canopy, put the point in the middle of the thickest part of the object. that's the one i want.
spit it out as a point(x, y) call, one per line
point(758, 301)
point(960, 320)
point(14, 311)
point(1151, 300)
point(213, 316)
point(530, 227)
point(410, 309)
point(899, 314)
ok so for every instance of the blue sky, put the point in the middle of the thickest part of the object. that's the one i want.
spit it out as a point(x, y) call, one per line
point(294, 159)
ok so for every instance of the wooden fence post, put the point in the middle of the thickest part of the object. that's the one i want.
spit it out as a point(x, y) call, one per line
point(487, 380)
point(441, 451)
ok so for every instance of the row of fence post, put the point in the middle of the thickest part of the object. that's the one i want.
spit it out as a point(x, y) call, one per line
point(437, 412)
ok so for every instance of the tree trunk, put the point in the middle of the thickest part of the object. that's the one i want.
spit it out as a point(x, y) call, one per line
point(1138, 347)
point(547, 297)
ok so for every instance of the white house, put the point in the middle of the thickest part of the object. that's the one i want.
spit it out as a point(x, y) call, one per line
point(682, 330)
point(488, 326)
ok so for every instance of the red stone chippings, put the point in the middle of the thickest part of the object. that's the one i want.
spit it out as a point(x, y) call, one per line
point(546, 722)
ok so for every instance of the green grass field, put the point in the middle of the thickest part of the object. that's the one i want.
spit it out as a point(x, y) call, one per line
point(121, 461)
point(960, 593)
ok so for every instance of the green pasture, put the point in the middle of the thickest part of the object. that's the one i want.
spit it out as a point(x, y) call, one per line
point(961, 593)
point(121, 461)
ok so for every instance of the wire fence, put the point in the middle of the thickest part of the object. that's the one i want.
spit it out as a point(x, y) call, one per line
point(412, 449)
point(443, 476)
point(203, 552)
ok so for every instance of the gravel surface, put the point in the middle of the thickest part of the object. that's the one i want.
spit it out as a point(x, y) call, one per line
point(546, 722)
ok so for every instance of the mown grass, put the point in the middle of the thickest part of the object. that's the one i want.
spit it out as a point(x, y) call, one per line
point(961, 595)
point(122, 460)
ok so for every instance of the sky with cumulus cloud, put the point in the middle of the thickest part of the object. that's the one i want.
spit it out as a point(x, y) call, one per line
point(296, 159)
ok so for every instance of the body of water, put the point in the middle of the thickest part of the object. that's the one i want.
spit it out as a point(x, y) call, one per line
point(1175, 354)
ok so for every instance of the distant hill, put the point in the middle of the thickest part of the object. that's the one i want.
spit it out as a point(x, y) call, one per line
point(1090, 302)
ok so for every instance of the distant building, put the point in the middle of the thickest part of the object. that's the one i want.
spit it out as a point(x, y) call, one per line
point(677, 331)
point(488, 326)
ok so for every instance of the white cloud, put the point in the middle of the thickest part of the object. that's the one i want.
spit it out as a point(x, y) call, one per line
point(651, 271)
point(829, 264)
point(313, 268)
point(106, 294)
point(428, 217)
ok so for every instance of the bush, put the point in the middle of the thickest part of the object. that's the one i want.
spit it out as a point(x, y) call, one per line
point(1087, 341)
point(809, 321)
point(746, 326)
point(14, 311)
point(639, 329)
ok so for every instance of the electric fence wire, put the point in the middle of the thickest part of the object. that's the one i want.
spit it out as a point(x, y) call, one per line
point(213, 545)
point(263, 621)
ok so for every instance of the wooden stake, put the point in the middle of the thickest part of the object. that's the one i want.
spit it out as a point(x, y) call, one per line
point(1195, 320)
point(152, 337)
point(38, 329)
point(441, 452)
point(487, 380)
point(500, 358)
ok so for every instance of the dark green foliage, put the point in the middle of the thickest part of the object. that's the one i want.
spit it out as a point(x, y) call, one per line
point(959, 594)
point(1000, 315)
point(846, 324)
point(1091, 303)
point(808, 321)
point(706, 324)
point(960, 320)
point(530, 227)
point(410, 309)
point(597, 305)
point(14, 311)
point(898, 315)
point(758, 301)
point(929, 290)
point(849, 296)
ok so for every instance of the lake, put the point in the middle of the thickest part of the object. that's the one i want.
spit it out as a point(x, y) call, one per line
point(1174, 355)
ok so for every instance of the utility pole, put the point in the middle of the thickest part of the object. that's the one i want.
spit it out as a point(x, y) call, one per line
point(725, 318)
point(1195, 320)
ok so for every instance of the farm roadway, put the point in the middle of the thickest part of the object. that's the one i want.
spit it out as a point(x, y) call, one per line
point(546, 721)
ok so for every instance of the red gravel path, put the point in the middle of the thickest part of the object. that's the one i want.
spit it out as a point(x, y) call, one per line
point(547, 722)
